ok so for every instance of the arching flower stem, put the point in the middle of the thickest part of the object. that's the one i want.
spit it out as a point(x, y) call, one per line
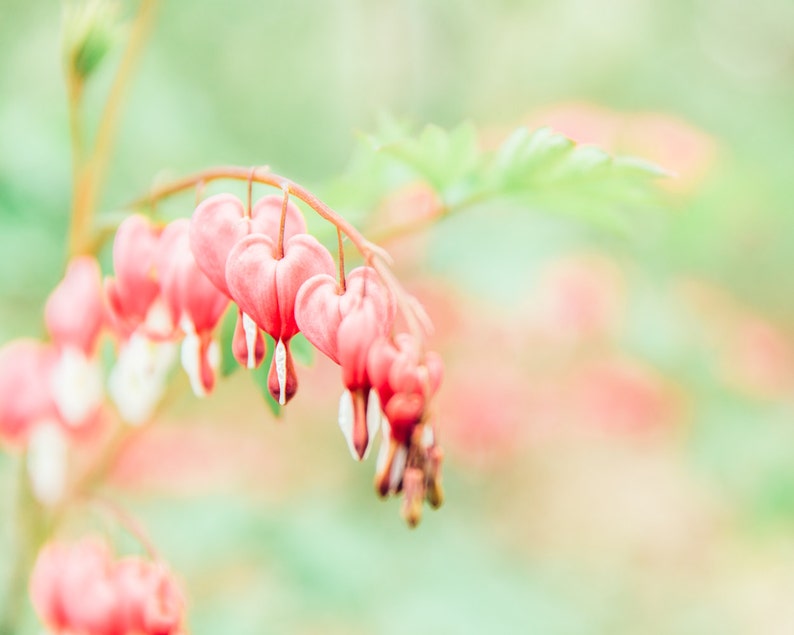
point(341, 248)
point(416, 320)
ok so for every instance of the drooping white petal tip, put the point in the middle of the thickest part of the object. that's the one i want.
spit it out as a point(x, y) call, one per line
point(138, 378)
point(47, 462)
point(280, 356)
point(346, 421)
point(251, 331)
point(76, 383)
point(191, 362)
point(374, 418)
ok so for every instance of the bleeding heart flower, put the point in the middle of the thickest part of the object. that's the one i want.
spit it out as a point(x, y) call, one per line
point(76, 377)
point(406, 379)
point(150, 601)
point(81, 589)
point(43, 404)
point(265, 286)
point(194, 303)
point(25, 396)
point(134, 294)
point(220, 222)
point(320, 307)
point(344, 326)
point(138, 379)
point(81, 287)
point(217, 225)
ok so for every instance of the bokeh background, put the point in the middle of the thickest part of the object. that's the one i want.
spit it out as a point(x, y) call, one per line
point(618, 410)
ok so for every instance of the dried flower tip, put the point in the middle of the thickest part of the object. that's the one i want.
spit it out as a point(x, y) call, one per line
point(413, 496)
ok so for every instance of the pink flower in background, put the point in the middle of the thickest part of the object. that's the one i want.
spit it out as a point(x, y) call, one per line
point(579, 297)
point(134, 291)
point(52, 393)
point(759, 357)
point(25, 391)
point(617, 395)
point(193, 302)
point(75, 311)
point(75, 315)
point(81, 589)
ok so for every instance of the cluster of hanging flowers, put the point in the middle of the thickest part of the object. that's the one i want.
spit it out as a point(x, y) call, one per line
point(170, 286)
point(173, 283)
point(282, 280)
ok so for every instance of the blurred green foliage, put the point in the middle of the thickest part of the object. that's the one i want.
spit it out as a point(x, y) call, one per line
point(302, 86)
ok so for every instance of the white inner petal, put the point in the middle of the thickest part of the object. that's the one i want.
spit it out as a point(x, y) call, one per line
point(281, 370)
point(76, 384)
point(47, 462)
point(191, 362)
point(158, 319)
point(346, 421)
point(374, 417)
point(385, 442)
point(251, 332)
point(397, 467)
point(138, 379)
point(428, 438)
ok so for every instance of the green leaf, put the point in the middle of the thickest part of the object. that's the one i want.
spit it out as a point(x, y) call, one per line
point(229, 364)
point(442, 158)
point(89, 31)
point(260, 378)
point(543, 159)
point(302, 350)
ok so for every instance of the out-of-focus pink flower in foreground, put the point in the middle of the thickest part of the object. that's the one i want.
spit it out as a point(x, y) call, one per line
point(51, 393)
point(81, 589)
point(25, 395)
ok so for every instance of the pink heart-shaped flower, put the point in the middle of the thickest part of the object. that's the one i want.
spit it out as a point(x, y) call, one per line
point(80, 287)
point(219, 223)
point(188, 292)
point(265, 287)
point(320, 308)
point(134, 289)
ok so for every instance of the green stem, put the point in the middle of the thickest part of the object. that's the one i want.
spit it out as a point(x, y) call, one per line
point(30, 529)
point(91, 175)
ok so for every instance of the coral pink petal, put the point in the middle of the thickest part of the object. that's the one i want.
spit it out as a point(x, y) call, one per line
point(251, 280)
point(81, 287)
point(187, 291)
point(218, 223)
point(317, 313)
point(266, 218)
point(25, 397)
point(304, 257)
point(380, 359)
point(134, 250)
point(45, 587)
point(265, 288)
point(357, 332)
point(365, 283)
